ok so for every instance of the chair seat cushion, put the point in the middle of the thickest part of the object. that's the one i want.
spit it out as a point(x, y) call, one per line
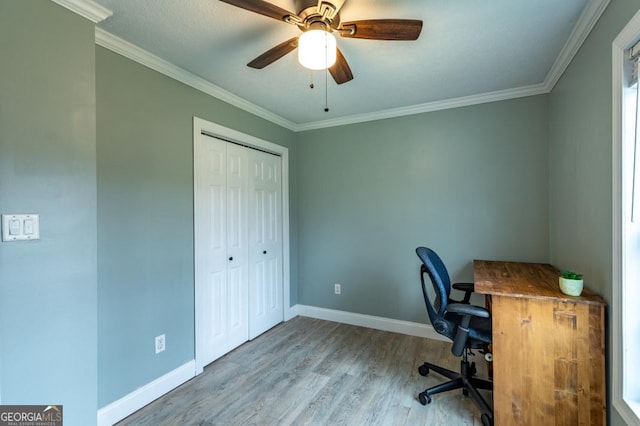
point(479, 329)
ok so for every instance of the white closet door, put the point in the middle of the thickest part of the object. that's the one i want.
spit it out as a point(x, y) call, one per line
point(238, 244)
point(221, 247)
point(237, 247)
point(265, 242)
point(211, 246)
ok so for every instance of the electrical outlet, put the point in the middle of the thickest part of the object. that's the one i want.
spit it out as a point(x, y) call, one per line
point(160, 343)
point(337, 288)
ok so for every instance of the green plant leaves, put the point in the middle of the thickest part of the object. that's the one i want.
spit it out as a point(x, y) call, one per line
point(570, 275)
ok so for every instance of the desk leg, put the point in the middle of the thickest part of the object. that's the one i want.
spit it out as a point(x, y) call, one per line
point(487, 303)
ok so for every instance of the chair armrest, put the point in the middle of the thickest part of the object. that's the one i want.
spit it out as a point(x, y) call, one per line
point(468, 288)
point(463, 286)
point(462, 331)
point(464, 309)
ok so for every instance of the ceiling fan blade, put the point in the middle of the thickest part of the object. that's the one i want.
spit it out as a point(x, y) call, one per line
point(262, 8)
point(273, 54)
point(383, 29)
point(340, 71)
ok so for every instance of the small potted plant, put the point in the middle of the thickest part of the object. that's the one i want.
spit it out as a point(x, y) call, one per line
point(571, 283)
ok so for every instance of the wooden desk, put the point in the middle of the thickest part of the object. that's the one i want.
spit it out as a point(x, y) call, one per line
point(548, 348)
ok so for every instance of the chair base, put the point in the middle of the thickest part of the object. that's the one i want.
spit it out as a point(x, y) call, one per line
point(459, 380)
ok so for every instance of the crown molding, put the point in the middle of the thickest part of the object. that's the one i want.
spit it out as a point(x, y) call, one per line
point(137, 54)
point(587, 20)
point(86, 8)
point(581, 30)
point(500, 95)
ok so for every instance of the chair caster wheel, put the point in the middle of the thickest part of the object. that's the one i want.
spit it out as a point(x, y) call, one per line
point(487, 420)
point(465, 392)
point(424, 398)
point(423, 370)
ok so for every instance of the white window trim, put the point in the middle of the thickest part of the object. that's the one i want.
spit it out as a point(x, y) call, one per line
point(627, 37)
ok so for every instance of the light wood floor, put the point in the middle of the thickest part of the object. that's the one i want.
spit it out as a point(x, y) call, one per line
point(313, 372)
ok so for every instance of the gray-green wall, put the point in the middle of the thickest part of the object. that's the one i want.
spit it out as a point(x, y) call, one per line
point(580, 159)
point(145, 217)
point(48, 166)
point(525, 179)
point(471, 183)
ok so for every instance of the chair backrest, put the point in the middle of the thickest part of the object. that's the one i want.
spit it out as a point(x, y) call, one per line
point(439, 277)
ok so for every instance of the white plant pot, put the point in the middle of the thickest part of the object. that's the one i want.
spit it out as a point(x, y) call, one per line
point(571, 287)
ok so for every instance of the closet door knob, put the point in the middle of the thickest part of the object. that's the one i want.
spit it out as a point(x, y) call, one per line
point(231, 258)
point(264, 252)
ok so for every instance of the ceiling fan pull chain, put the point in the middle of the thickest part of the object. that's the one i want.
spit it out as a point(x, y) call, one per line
point(326, 90)
point(326, 76)
point(311, 85)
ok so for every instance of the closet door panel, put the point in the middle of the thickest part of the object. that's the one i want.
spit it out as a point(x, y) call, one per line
point(265, 242)
point(211, 264)
point(237, 247)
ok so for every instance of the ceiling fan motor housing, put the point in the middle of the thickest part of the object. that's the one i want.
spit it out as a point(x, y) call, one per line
point(313, 18)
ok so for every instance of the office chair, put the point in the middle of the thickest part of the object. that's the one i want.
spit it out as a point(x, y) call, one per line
point(467, 326)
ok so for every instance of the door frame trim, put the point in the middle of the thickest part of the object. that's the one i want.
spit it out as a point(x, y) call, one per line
point(201, 126)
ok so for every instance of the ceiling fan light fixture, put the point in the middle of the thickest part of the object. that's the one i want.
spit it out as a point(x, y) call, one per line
point(317, 49)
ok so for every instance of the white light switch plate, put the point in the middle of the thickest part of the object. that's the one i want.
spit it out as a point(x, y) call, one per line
point(20, 227)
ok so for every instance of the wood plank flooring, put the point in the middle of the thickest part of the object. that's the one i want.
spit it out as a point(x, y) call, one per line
point(314, 372)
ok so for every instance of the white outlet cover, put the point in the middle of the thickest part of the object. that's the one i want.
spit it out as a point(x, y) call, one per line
point(160, 343)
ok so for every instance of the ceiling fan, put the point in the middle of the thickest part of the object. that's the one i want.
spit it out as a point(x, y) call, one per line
point(324, 15)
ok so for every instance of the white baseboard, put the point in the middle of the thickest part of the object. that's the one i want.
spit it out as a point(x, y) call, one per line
point(127, 405)
point(378, 323)
point(290, 312)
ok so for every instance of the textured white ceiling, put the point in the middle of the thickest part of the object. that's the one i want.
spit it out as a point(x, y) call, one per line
point(466, 48)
